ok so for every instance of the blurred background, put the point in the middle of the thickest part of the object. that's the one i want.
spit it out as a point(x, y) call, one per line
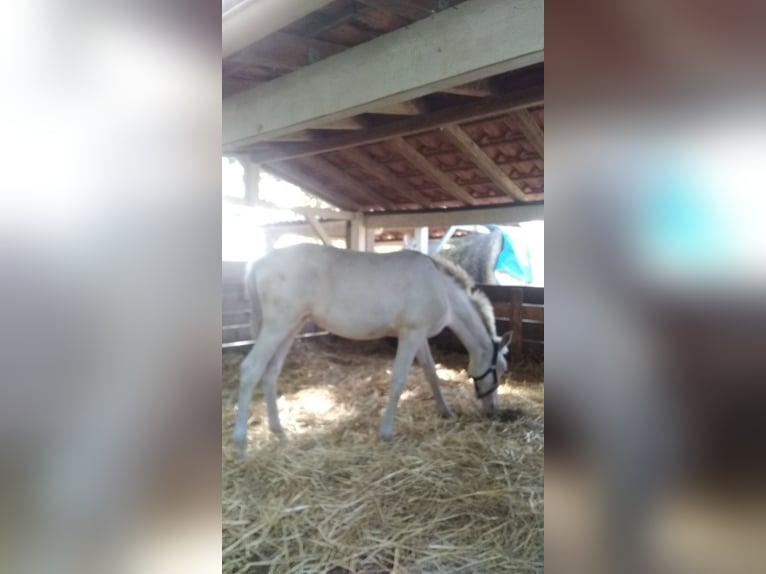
point(109, 290)
point(655, 274)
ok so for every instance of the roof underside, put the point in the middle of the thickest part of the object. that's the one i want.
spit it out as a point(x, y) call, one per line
point(476, 144)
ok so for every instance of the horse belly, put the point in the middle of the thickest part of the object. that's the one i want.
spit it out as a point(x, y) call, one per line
point(360, 328)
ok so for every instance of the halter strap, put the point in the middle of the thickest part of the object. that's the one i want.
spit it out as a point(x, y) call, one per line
point(491, 369)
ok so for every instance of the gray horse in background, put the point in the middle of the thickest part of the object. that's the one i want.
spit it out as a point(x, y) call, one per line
point(477, 254)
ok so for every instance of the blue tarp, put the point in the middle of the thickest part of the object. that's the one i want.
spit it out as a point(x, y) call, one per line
point(515, 259)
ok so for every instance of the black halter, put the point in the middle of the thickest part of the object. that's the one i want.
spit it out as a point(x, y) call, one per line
point(491, 369)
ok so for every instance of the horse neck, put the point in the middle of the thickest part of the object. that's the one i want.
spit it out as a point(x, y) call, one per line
point(469, 327)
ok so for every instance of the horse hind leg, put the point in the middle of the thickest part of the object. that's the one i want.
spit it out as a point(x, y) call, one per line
point(270, 382)
point(426, 361)
point(252, 371)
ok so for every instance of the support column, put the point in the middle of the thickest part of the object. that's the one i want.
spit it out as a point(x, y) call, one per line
point(356, 237)
point(420, 242)
point(369, 239)
point(252, 179)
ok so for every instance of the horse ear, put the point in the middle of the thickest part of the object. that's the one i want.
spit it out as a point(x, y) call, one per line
point(505, 340)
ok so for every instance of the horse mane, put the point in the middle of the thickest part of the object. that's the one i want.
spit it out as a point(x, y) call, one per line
point(478, 297)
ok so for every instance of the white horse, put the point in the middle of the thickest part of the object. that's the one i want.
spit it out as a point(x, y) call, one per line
point(366, 296)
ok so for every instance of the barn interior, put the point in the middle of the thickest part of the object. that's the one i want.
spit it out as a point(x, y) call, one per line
point(411, 124)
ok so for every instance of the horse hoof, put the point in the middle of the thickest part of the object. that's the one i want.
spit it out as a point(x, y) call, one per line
point(239, 448)
point(448, 415)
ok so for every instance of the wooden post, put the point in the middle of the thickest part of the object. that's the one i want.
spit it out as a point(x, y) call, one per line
point(517, 303)
point(317, 227)
point(446, 237)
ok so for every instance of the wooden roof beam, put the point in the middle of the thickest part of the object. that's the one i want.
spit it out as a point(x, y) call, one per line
point(352, 123)
point(248, 22)
point(296, 177)
point(430, 170)
point(485, 163)
point(408, 108)
point(341, 178)
point(299, 136)
point(286, 51)
point(384, 174)
point(478, 89)
point(527, 124)
point(318, 229)
point(318, 22)
point(403, 8)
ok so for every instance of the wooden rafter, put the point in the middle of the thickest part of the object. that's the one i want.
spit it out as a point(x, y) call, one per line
point(352, 123)
point(318, 22)
point(342, 179)
point(521, 98)
point(286, 51)
point(527, 124)
point(477, 89)
point(318, 229)
point(296, 177)
point(430, 170)
point(300, 136)
point(403, 8)
point(248, 22)
point(409, 108)
point(485, 163)
point(384, 174)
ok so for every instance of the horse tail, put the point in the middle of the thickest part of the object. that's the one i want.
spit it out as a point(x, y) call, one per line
point(251, 292)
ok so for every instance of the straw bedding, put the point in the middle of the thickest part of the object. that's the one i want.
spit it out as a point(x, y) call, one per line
point(447, 496)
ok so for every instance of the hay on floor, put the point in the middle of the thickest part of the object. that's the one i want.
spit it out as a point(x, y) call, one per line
point(462, 495)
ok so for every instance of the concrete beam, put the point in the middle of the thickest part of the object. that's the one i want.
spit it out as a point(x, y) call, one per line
point(334, 229)
point(473, 40)
point(500, 215)
point(528, 93)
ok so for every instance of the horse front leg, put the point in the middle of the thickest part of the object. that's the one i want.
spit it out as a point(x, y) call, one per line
point(426, 361)
point(409, 342)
